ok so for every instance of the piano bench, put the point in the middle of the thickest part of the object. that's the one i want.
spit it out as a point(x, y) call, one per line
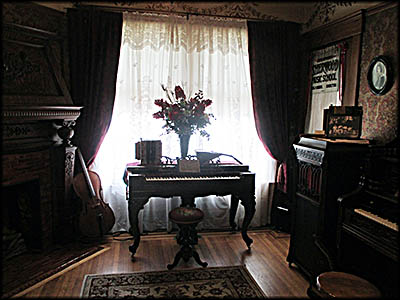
point(187, 219)
point(342, 285)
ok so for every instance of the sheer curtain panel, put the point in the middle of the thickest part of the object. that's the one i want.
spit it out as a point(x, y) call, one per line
point(198, 54)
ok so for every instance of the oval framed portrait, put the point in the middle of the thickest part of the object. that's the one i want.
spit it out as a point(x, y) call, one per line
point(380, 75)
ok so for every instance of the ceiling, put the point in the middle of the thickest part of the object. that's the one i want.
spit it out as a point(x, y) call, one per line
point(309, 13)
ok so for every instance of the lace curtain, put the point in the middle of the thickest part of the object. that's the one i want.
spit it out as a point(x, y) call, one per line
point(199, 54)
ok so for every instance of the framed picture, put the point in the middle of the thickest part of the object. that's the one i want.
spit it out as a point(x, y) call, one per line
point(343, 122)
point(380, 77)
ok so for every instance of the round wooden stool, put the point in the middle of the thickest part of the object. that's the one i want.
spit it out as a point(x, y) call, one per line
point(342, 285)
point(187, 219)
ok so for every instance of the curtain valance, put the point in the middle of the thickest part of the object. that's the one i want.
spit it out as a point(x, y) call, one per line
point(197, 34)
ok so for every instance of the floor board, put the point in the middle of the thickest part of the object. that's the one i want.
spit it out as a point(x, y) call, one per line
point(266, 262)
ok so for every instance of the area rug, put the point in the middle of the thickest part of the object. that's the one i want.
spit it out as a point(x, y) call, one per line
point(25, 272)
point(215, 282)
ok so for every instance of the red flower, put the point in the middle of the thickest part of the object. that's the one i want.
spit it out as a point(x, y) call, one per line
point(206, 102)
point(199, 109)
point(175, 107)
point(173, 115)
point(181, 115)
point(158, 115)
point(160, 102)
point(194, 101)
point(179, 93)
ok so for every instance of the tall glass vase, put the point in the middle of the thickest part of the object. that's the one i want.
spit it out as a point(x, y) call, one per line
point(184, 143)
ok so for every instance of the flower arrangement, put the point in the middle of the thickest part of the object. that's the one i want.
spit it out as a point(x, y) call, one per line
point(182, 115)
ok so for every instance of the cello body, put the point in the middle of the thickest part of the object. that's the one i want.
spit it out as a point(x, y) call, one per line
point(96, 217)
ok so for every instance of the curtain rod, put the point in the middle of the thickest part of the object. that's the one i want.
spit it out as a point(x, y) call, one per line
point(161, 12)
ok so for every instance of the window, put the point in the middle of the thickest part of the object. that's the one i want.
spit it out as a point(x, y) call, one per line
point(326, 84)
point(199, 53)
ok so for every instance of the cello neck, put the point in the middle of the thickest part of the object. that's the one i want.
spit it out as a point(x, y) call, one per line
point(86, 174)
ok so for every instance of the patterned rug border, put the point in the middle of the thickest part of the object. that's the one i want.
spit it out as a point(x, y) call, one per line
point(46, 277)
point(244, 271)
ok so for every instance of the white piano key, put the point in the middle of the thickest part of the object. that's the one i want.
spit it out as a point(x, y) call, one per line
point(191, 178)
point(378, 219)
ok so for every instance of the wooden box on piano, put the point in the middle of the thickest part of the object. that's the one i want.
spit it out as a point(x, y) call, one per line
point(148, 152)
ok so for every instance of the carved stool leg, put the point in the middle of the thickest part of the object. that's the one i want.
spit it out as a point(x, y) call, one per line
point(187, 238)
point(187, 218)
point(177, 258)
point(197, 259)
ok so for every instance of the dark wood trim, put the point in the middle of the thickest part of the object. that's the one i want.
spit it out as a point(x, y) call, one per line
point(351, 82)
point(348, 29)
point(119, 9)
point(32, 31)
point(340, 29)
point(381, 7)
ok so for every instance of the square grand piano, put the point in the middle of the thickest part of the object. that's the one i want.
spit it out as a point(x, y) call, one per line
point(165, 180)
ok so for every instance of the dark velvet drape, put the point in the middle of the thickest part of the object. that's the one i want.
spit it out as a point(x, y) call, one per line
point(94, 49)
point(278, 78)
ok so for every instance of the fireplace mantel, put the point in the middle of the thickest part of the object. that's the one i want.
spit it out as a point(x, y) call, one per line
point(34, 127)
point(15, 113)
point(38, 119)
point(36, 144)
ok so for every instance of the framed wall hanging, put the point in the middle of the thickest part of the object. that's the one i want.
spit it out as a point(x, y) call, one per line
point(380, 76)
point(343, 122)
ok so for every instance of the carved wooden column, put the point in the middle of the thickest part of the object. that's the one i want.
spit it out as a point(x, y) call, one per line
point(65, 209)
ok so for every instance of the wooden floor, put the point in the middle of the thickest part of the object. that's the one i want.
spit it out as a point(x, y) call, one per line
point(266, 262)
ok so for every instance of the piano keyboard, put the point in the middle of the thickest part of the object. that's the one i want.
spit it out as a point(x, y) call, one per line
point(378, 219)
point(189, 178)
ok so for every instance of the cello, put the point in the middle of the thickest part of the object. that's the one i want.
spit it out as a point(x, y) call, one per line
point(96, 217)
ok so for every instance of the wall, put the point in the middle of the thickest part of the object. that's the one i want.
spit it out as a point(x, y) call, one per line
point(42, 18)
point(369, 33)
point(380, 113)
point(380, 120)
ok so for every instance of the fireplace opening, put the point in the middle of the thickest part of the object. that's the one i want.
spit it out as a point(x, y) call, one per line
point(21, 218)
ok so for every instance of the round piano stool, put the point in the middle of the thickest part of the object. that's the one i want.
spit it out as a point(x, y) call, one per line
point(342, 285)
point(187, 219)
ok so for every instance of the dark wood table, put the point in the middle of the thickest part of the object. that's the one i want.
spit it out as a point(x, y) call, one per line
point(166, 181)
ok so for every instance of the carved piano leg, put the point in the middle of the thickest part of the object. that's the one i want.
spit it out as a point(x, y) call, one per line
point(249, 204)
point(134, 206)
point(232, 212)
